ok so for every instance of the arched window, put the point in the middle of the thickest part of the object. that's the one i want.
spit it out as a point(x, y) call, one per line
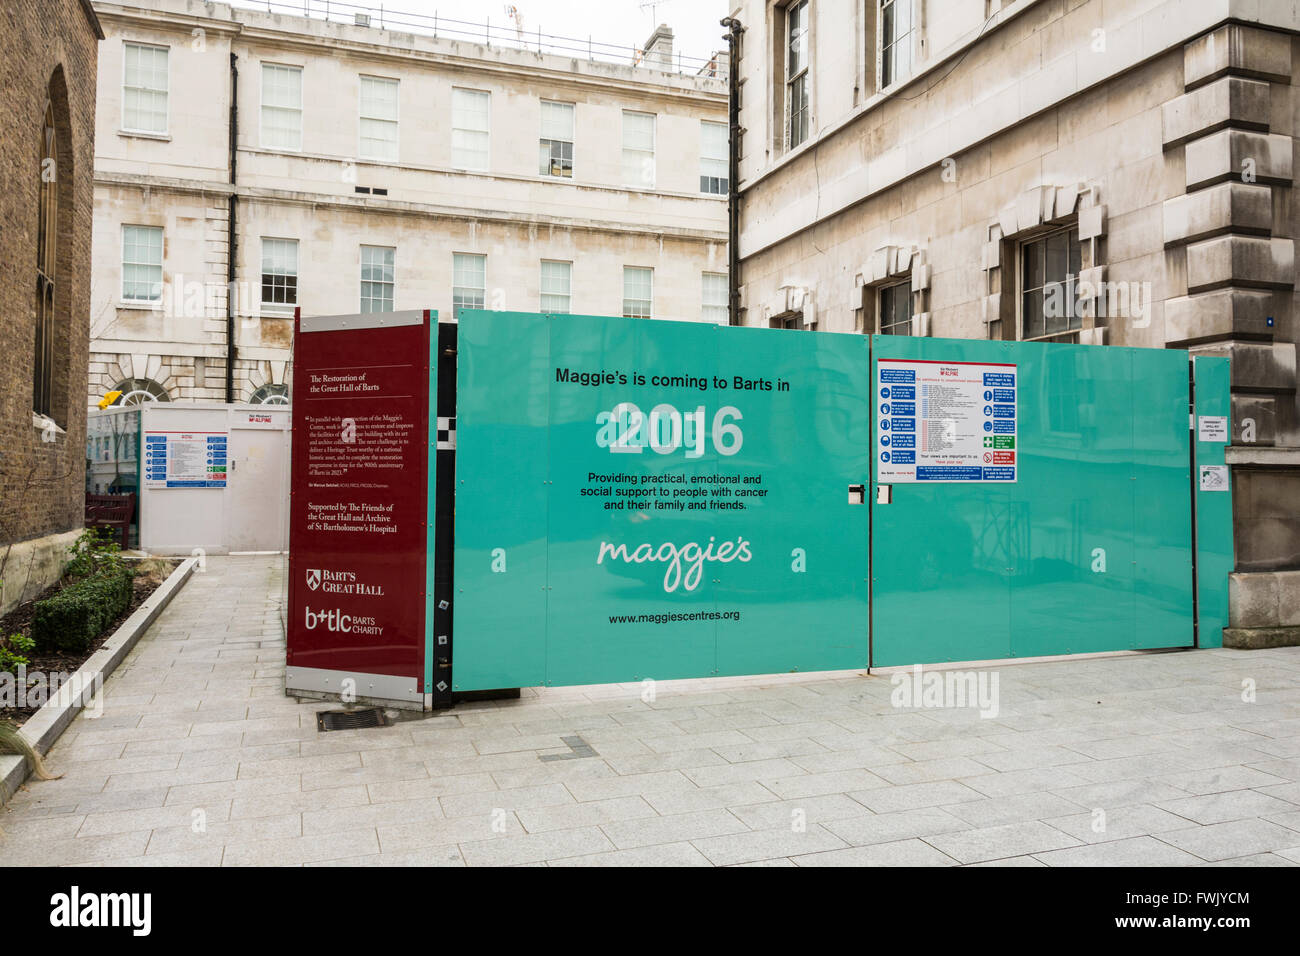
point(270, 395)
point(47, 238)
point(137, 391)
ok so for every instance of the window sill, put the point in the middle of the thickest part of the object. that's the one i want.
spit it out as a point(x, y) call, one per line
point(46, 426)
point(270, 311)
point(1068, 337)
point(141, 305)
point(145, 134)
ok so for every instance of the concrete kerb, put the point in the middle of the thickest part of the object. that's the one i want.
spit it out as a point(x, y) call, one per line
point(45, 726)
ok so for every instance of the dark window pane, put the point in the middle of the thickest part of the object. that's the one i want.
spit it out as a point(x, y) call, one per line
point(1057, 257)
point(1056, 307)
point(1032, 308)
point(1032, 265)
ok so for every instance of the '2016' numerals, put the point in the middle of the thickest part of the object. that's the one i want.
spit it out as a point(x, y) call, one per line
point(628, 430)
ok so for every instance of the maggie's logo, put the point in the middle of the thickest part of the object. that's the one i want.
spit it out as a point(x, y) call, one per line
point(690, 557)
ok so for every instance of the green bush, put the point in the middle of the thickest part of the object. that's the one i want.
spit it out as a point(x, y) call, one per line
point(13, 652)
point(73, 618)
point(94, 552)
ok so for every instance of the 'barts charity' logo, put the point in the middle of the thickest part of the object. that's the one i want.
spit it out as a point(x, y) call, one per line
point(685, 564)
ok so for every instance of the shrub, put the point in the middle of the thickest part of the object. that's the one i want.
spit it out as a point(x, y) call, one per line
point(73, 618)
point(14, 651)
point(94, 552)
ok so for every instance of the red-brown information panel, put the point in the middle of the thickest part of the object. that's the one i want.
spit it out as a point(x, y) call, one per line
point(359, 496)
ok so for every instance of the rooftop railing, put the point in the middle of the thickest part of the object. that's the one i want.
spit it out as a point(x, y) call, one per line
point(512, 36)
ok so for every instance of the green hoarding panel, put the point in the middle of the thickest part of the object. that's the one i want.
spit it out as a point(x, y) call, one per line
point(1214, 552)
point(941, 552)
point(1163, 580)
point(804, 595)
point(1069, 556)
point(696, 505)
point(501, 474)
point(1072, 571)
point(612, 491)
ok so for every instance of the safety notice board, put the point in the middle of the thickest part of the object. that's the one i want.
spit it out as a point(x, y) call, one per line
point(945, 421)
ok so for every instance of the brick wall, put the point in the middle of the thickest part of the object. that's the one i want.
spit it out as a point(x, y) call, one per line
point(48, 50)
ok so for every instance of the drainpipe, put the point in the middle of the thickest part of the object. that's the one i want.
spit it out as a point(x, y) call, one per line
point(734, 30)
point(231, 210)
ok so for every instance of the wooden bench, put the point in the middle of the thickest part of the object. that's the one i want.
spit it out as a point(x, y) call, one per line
point(111, 511)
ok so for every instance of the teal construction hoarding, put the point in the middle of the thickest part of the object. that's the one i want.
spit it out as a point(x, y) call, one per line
point(665, 500)
point(644, 499)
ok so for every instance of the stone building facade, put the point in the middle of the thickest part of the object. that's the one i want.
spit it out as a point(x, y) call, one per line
point(368, 168)
point(48, 54)
point(942, 167)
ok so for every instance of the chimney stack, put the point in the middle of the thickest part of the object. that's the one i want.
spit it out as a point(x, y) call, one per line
point(659, 48)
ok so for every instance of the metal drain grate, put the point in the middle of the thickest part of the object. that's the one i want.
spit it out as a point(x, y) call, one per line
point(327, 720)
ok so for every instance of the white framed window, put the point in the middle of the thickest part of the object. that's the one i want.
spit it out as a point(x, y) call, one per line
point(713, 158)
point(142, 263)
point(1049, 278)
point(281, 106)
point(144, 88)
point(798, 76)
point(895, 311)
point(555, 155)
point(468, 282)
point(713, 298)
point(638, 149)
point(471, 123)
point(638, 292)
point(557, 285)
point(895, 33)
point(378, 113)
point(270, 395)
point(138, 391)
point(279, 274)
point(377, 278)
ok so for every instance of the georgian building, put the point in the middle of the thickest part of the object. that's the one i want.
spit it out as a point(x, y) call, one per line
point(253, 162)
point(1106, 173)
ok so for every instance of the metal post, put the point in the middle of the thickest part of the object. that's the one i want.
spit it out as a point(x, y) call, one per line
point(734, 30)
point(232, 237)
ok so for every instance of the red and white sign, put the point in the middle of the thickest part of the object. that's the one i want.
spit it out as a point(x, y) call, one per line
point(359, 500)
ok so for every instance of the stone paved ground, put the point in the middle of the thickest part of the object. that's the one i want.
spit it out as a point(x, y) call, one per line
point(200, 759)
